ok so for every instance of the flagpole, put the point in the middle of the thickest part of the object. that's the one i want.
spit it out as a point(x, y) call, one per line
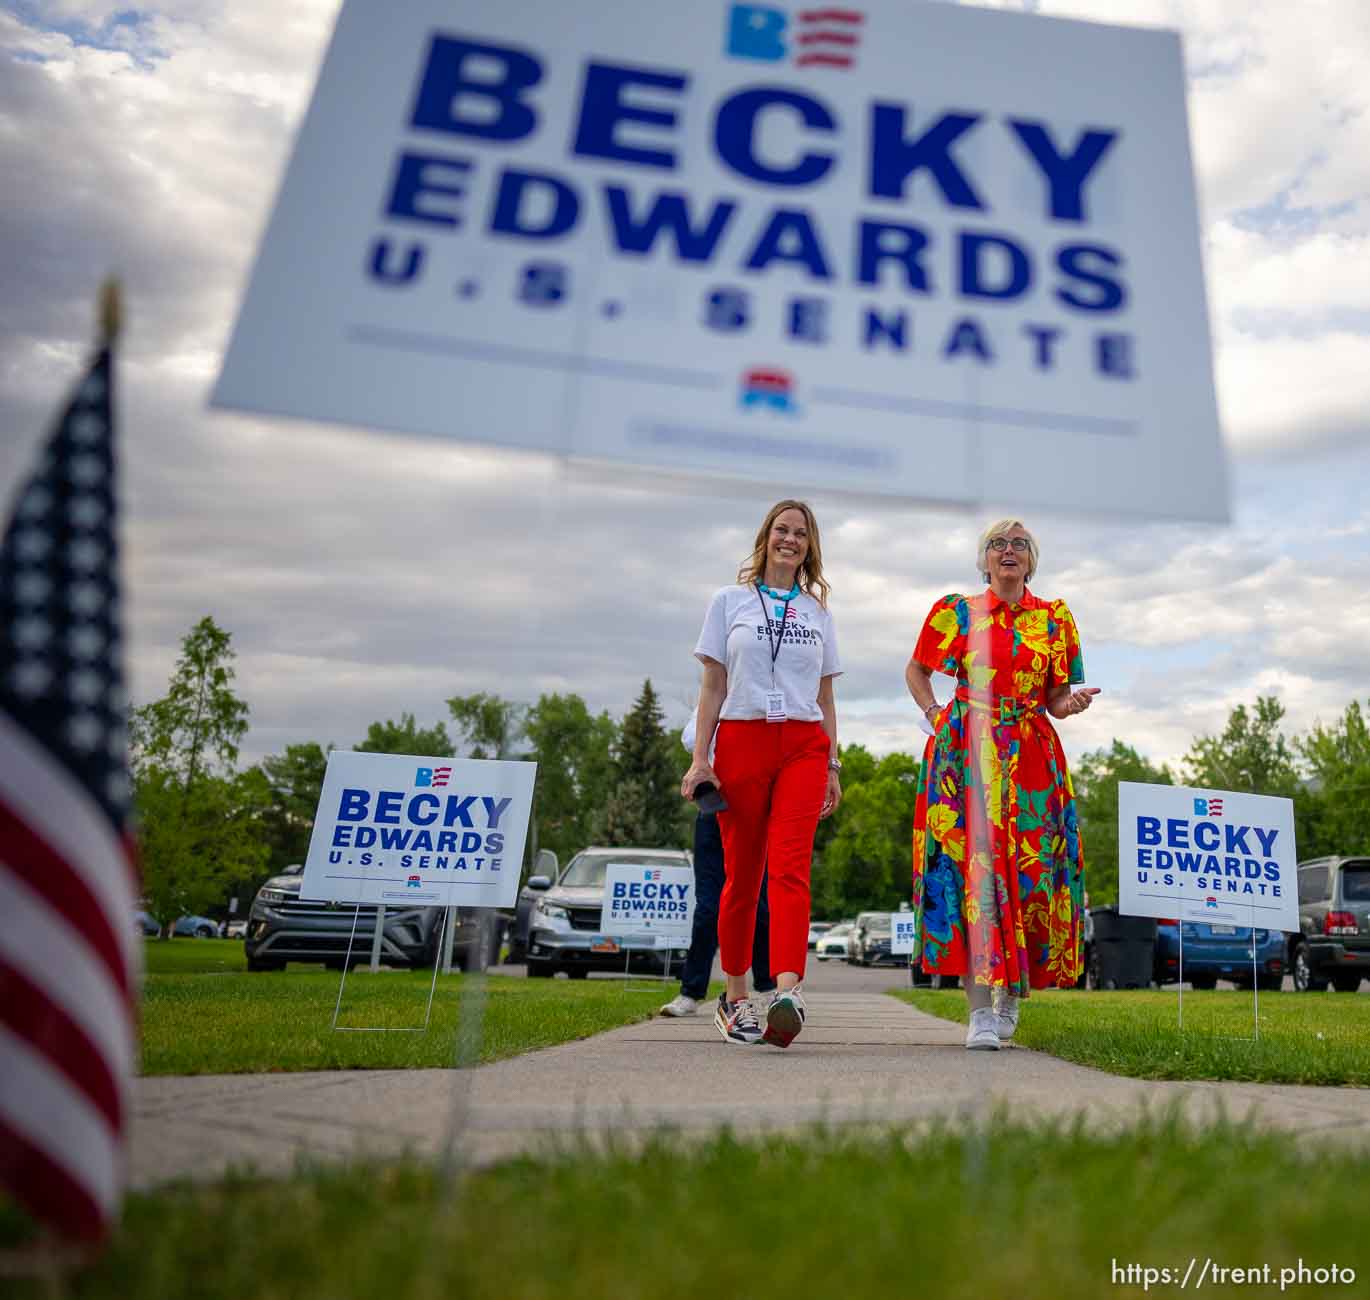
point(111, 312)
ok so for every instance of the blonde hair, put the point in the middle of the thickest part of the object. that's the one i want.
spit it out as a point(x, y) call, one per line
point(810, 575)
point(994, 530)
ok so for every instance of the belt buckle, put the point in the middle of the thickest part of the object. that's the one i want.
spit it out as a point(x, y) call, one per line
point(1008, 709)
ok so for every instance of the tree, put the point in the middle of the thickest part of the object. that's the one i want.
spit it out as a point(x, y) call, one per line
point(490, 727)
point(643, 808)
point(1336, 802)
point(573, 750)
point(294, 780)
point(406, 737)
point(1096, 778)
point(199, 820)
point(1251, 756)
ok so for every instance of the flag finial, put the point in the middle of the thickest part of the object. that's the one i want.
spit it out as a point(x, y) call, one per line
point(111, 311)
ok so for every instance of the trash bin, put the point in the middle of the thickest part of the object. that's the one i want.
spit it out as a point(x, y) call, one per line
point(1123, 951)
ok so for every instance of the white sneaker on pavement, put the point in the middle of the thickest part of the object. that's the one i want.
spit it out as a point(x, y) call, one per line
point(983, 1034)
point(680, 1005)
point(1005, 1013)
point(784, 1017)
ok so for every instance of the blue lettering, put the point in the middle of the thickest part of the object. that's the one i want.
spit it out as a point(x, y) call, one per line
point(494, 842)
point(1148, 830)
point(725, 310)
point(558, 201)
point(1267, 840)
point(494, 810)
point(342, 837)
point(418, 803)
point(603, 108)
point(1015, 275)
point(388, 807)
point(543, 284)
point(1236, 838)
point(414, 179)
point(669, 211)
point(353, 804)
point(1188, 861)
point(894, 157)
point(965, 336)
point(735, 135)
point(396, 839)
point(447, 841)
point(1113, 352)
point(364, 838)
point(1177, 832)
point(445, 88)
point(381, 269)
point(808, 320)
point(793, 229)
point(458, 810)
point(619, 889)
point(883, 241)
point(1044, 336)
point(1065, 174)
point(881, 327)
point(470, 841)
point(754, 32)
point(1090, 264)
point(1207, 836)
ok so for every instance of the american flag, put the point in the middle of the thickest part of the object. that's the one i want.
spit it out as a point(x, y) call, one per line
point(829, 37)
point(69, 967)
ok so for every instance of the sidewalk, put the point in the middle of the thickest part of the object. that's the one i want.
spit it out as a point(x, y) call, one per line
point(863, 1059)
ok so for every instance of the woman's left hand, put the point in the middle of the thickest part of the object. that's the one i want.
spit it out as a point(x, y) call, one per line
point(1080, 700)
point(832, 797)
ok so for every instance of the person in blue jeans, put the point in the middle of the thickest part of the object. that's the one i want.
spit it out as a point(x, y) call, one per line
point(709, 877)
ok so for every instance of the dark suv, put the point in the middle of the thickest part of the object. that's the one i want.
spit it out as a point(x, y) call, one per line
point(1333, 943)
point(282, 927)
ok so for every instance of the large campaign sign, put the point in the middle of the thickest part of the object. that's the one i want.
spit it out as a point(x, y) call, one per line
point(903, 929)
point(399, 829)
point(914, 249)
point(644, 900)
point(1207, 855)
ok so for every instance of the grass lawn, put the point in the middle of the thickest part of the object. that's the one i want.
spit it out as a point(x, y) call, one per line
point(204, 1014)
point(1001, 1211)
point(1319, 1038)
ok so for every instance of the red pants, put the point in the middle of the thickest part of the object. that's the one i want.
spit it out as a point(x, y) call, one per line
point(774, 776)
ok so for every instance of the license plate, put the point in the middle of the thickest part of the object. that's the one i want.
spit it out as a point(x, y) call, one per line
point(1222, 929)
point(604, 945)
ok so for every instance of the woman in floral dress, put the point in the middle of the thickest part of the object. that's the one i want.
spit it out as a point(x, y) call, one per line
point(998, 867)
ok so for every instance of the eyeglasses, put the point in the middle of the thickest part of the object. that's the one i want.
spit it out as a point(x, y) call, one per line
point(1019, 544)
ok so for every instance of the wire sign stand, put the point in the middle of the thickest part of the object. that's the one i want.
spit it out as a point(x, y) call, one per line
point(438, 949)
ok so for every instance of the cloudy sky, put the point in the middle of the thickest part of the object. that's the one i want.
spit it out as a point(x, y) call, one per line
point(151, 142)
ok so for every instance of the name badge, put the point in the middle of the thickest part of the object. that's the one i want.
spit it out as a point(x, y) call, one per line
point(775, 706)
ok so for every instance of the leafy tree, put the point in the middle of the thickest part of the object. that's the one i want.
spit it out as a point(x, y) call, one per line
point(1337, 801)
point(490, 727)
point(1251, 756)
point(294, 780)
point(406, 737)
point(573, 750)
point(1096, 778)
point(199, 819)
point(643, 808)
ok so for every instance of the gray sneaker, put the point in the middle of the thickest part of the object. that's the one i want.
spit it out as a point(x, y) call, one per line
point(983, 1034)
point(680, 1005)
point(1005, 1013)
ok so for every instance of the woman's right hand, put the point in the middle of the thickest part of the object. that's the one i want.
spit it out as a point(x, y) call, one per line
point(699, 773)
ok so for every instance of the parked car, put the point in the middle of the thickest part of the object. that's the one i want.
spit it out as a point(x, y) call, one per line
point(234, 929)
point(1333, 943)
point(197, 927)
point(817, 929)
point(564, 932)
point(282, 927)
point(520, 921)
point(1214, 952)
point(834, 943)
point(869, 944)
point(146, 924)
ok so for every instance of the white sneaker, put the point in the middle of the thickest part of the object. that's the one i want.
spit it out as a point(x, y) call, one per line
point(983, 1034)
point(680, 1005)
point(784, 1017)
point(1005, 1013)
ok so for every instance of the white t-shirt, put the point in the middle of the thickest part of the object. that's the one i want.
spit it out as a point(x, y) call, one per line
point(735, 635)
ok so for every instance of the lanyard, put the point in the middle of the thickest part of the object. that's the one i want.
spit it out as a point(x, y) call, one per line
point(775, 641)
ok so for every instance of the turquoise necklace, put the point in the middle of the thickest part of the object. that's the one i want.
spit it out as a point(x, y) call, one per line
point(784, 597)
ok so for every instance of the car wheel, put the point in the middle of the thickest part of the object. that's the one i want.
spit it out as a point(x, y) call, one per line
point(1305, 979)
point(1092, 971)
point(258, 964)
point(540, 970)
point(577, 972)
point(1346, 983)
point(1271, 983)
point(203, 932)
point(1204, 982)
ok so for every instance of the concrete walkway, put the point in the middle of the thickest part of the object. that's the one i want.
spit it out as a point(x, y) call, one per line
point(863, 1059)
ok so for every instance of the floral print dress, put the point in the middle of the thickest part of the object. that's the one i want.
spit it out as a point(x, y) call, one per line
point(998, 867)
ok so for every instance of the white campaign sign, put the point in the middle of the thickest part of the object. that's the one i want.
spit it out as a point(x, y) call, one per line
point(1207, 855)
point(644, 900)
point(902, 930)
point(430, 832)
point(880, 249)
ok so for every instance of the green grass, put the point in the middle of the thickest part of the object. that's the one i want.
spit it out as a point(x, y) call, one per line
point(1005, 1210)
point(241, 1023)
point(1304, 1037)
point(193, 956)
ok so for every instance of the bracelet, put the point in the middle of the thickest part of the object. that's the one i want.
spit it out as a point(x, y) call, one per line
point(931, 709)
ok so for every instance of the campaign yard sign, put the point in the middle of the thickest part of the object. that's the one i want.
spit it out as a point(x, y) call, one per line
point(881, 248)
point(400, 829)
point(902, 929)
point(1207, 855)
point(646, 901)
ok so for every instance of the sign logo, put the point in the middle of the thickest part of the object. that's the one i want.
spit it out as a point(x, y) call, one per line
point(1210, 901)
point(825, 38)
point(764, 387)
point(652, 874)
point(414, 882)
point(1208, 807)
point(434, 776)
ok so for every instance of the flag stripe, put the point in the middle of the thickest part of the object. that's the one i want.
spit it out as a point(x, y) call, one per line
point(28, 1013)
point(36, 940)
point(44, 1189)
point(41, 794)
point(42, 1111)
point(824, 60)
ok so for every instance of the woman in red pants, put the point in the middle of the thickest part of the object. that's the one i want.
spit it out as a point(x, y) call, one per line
point(769, 652)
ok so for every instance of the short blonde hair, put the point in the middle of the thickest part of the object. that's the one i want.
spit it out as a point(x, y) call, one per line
point(994, 530)
point(810, 575)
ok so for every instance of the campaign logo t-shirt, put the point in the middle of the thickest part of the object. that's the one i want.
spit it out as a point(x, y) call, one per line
point(735, 635)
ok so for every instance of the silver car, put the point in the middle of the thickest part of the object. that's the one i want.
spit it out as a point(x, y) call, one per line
point(565, 933)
